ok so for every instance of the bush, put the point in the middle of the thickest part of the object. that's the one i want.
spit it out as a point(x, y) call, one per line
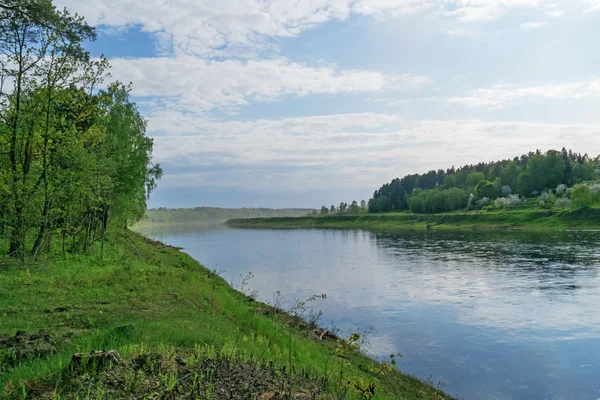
point(563, 203)
point(581, 195)
point(514, 199)
point(561, 189)
point(483, 202)
point(435, 201)
point(501, 202)
point(486, 189)
point(547, 197)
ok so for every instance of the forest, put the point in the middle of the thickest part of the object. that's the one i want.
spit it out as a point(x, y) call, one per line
point(560, 178)
point(74, 161)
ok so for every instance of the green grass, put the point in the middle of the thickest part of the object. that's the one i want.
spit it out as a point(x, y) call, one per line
point(523, 218)
point(146, 298)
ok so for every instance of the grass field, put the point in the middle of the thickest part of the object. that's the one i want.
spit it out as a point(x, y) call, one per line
point(523, 218)
point(179, 332)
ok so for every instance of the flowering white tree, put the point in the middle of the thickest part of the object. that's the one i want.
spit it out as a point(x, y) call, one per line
point(563, 203)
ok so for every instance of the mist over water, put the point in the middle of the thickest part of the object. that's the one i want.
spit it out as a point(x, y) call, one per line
point(503, 315)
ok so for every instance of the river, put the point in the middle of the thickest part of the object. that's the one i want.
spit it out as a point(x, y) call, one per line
point(502, 315)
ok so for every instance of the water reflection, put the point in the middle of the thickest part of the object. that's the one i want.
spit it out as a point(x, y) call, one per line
point(491, 315)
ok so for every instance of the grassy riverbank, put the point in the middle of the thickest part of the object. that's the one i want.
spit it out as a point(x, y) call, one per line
point(179, 331)
point(522, 219)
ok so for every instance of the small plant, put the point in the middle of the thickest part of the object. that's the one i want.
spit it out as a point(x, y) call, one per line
point(244, 288)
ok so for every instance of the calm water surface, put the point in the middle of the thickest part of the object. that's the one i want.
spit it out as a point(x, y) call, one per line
point(489, 316)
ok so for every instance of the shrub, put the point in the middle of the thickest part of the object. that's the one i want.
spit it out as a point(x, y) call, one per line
point(581, 195)
point(561, 189)
point(486, 189)
point(483, 202)
point(514, 199)
point(563, 203)
point(502, 202)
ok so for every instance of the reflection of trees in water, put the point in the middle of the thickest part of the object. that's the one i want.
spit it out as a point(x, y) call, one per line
point(551, 261)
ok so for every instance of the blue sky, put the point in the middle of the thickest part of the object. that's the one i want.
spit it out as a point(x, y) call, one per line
point(299, 103)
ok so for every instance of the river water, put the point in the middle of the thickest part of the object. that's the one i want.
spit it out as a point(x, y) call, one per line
point(487, 315)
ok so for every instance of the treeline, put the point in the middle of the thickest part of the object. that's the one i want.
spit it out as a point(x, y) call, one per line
point(74, 159)
point(344, 208)
point(186, 215)
point(476, 185)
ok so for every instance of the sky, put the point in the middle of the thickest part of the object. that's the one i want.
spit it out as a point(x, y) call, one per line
point(303, 103)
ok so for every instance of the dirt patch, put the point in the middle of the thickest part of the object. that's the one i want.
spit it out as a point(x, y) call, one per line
point(25, 346)
point(181, 376)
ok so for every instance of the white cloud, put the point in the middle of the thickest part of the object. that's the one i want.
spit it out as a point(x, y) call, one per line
point(240, 27)
point(192, 84)
point(323, 152)
point(499, 95)
point(593, 5)
point(486, 10)
point(553, 13)
point(528, 26)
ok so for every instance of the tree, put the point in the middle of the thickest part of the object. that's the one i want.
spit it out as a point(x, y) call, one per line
point(525, 184)
point(509, 175)
point(474, 178)
point(77, 159)
point(382, 204)
point(332, 209)
point(324, 211)
point(363, 205)
point(563, 203)
point(581, 195)
point(487, 189)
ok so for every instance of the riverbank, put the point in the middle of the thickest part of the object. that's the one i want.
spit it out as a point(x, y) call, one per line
point(524, 219)
point(177, 330)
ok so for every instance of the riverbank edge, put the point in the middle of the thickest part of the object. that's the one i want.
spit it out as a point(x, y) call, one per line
point(234, 310)
point(521, 220)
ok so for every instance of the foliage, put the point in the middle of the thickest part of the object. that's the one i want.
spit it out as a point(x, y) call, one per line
point(484, 201)
point(77, 160)
point(563, 203)
point(561, 189)
point(487, 189)
point(435, 201)
point(527, 175)
point(581, 195)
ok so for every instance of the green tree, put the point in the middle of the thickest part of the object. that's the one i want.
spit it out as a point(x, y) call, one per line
point(474, 178)
point(487, 189)
point(581, 195)
point(509, 175)
point(525, 184)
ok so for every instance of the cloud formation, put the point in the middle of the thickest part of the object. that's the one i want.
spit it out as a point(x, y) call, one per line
point(500, 95)
point(192, 84)
point(358, 149)
point(528, 26)
point(234, 27)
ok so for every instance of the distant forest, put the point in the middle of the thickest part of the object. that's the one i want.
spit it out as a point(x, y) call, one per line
point(530, 175)
point(186, 215)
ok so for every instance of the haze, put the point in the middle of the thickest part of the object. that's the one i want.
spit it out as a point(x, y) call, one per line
point(298, 104)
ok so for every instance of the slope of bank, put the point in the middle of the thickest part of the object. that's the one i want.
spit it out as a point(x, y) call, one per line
point(527, 219)
point(178, 331)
